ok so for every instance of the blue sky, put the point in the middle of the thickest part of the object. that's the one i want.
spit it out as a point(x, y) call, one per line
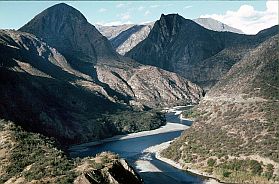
point(15, 14)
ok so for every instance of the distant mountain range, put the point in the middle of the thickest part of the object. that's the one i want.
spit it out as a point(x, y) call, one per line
point(125, 37)
point(215, 25)
point(203, 56)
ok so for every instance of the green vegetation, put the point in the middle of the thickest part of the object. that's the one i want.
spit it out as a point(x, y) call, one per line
point(35, 158)
point(231, 131)
point(211, 162)
point(190, 112)
point(40, 155)
point(135, 121)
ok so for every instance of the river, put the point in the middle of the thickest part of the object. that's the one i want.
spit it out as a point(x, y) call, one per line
point(134, 148)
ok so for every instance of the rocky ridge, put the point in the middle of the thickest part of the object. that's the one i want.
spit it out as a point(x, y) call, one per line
point(186, 48)
point(125, 37)
point(215, 25)
point(235, 134)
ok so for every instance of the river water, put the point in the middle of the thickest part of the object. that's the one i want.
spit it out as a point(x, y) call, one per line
point(132, 147)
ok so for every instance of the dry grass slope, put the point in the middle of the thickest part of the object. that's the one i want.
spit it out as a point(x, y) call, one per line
point(236, 133)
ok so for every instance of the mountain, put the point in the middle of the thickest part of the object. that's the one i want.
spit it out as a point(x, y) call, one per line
point(105, 57)
point(203, 56)
point(125, 37)
point(41, 90)
point(235, 134)
point(64, 80)
point(147, 85)
point(215, 25)
point(80, 100)
point(66, 29)
point(129, 38)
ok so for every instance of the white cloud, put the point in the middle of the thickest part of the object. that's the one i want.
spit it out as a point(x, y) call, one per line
point(154, 6)
point(140, 8)
point(167, 5)
point(187, 7)
point(101, 10)
point(120, 5)
point(123, 5)
point(147, 12)
point(249, 20)
point(162, 5)
point(124, 16)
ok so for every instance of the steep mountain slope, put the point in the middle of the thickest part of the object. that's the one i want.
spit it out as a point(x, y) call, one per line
point(129, 38)
point(104, 57)
point(125, 37)
point(40, 90)
point(32, 158)
point(215, 25)
point(235, 135)
point(148, 85)
point(47, 93)
point(66, 29)
point(198, 54)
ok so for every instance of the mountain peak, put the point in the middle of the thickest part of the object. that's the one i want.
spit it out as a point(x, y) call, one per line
point(171, 18)
point(66, 29)
point(174, 21)
point(61, 12)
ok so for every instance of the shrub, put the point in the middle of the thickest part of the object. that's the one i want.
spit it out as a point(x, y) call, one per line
point(226, 173)
point(255, 167)
point(211, 162)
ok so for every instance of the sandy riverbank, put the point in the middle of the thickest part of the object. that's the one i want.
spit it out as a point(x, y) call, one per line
point(169, 127)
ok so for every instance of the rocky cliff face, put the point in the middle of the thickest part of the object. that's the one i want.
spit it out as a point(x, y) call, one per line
point(184, 47)
point(125, 37)
point(66, 29)
point(148, 85)
point(237, 122)
point(115, 171)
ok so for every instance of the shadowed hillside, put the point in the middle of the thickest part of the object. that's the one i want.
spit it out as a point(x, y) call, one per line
point(235, 134)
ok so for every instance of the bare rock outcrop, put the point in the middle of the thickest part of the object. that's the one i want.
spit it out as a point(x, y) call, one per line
point(149, 85)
